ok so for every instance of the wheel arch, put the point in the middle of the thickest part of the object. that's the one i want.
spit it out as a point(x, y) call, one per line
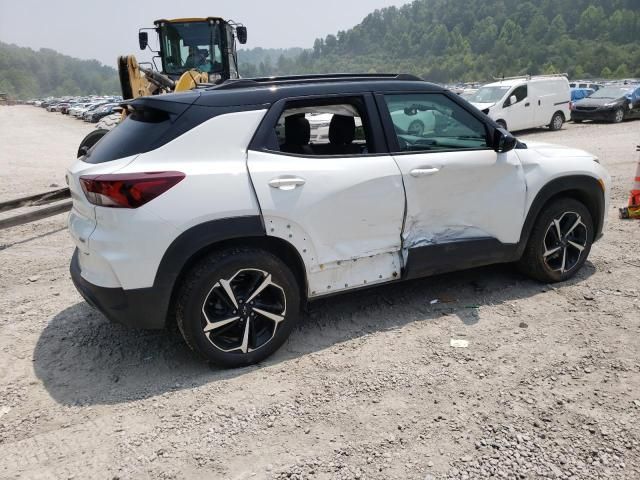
point(564, 117)
point(201, 240)
point(583, 188)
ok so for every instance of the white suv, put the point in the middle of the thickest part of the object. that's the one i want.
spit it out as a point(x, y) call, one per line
point(214, 208)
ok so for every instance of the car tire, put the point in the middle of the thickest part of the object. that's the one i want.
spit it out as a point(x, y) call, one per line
point(416, 128)
point(618, 115)
point(502, 124)
point(556, 122)
point(551, 257)
point(90, 140)
point(228, 316)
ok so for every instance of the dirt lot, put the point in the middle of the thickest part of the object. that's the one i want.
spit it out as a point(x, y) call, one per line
point(368, 385)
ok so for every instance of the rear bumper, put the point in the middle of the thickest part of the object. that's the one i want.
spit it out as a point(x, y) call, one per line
point(140, 308)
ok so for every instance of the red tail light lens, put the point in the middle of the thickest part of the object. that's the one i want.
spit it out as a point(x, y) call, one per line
point(127, 190)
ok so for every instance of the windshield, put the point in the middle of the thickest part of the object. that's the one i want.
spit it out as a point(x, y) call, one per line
point(612, 92)
point(488, 95)
point(191, 45)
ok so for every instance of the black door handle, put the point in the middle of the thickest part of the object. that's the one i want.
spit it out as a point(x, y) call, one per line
point(539, 102)
point(527, 104)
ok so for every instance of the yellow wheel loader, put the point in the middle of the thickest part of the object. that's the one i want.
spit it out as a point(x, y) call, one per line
point(192, 51)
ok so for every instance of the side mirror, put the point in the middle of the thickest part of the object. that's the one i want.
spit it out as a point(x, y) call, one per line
point(143, 40)
point(512, 100)
point(503, 141)
point(241, 33)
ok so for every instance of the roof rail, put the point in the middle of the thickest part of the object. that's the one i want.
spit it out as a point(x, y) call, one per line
point(312, 78)
point(529, 76)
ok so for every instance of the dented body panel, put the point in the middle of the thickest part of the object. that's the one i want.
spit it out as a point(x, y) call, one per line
point(470, 195)
point(345, 218)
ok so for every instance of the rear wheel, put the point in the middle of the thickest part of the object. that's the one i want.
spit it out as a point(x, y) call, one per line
point(556, 121)
point(238, 306)
point(560, 241)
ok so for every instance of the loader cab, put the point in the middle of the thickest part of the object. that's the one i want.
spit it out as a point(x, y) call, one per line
point(204, 44)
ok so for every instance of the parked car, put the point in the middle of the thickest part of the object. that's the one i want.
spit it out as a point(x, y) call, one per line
point(102, 111)
point(53, 106)
point(526, 102)
point(579, 94)
point(193, 205)
point(614, 103)
point(78, 109)
point(86, 114)
point(63, 107)
point(585, 84)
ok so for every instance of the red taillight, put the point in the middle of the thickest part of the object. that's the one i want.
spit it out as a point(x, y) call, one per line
point(571, 105)
point(127, 190)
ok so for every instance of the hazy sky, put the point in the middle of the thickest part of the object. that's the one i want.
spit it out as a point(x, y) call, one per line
point(103, 30)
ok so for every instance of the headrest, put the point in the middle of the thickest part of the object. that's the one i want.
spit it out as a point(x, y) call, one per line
point(342, 130)
point(297, 130)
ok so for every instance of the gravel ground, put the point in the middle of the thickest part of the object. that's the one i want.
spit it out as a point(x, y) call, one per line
point(368, 385)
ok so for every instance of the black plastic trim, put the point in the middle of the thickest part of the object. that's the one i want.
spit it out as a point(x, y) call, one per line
point(139, 308)
point(461, 255)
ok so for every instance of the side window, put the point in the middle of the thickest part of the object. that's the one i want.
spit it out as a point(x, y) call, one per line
point(319, 129)
point(520, 93)
point(433, 122)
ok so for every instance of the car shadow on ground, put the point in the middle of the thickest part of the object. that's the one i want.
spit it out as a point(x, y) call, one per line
point(82, 359)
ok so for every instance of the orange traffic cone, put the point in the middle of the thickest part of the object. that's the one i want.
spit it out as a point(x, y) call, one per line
point(633, 210)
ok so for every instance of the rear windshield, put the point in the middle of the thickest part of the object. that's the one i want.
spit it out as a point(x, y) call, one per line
point(131, 137)
point(150, 128)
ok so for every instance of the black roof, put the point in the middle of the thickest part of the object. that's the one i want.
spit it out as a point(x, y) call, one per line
point(264, 91)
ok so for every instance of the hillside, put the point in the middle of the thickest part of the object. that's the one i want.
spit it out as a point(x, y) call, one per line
point(263, 61)
point(445, 40)
point(26, 73)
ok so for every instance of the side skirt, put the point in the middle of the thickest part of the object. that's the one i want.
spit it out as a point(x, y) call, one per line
point(460, 255)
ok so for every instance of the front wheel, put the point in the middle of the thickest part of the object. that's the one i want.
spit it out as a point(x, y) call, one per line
point(556, 122)
point(238, 306)
point(560, 241)
point(618, 116)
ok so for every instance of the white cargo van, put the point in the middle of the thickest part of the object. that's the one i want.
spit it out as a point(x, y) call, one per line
point(526, 102)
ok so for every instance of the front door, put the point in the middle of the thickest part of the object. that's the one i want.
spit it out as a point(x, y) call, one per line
point(521, 113)
point(337, 198)
point(460, 192)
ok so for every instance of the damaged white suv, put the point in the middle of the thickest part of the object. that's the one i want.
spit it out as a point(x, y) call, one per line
point(215, 208)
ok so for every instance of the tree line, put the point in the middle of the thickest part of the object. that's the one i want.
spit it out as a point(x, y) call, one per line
point(453, 40)
point(26, 73)
point(438, 40)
